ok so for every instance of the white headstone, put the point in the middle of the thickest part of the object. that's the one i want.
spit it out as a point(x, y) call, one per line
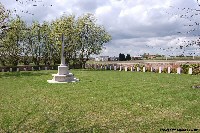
point(151, 69)
point(52, 68)
point(17, 69)
point(101, 67)
point(131, 69)
point(10, 69)
point(169, 70)
point(125, 69)
point(110, 67)
point(32, 69)
point(120, 68)
point(45, 68)
point(25, 69)
point(39, 68)
point(144, 69)
point(138, 69)
point(115, 68)
point(2, 70)
point(190, 71)
point(178, 70)
point(105, 67)
point(160, 69)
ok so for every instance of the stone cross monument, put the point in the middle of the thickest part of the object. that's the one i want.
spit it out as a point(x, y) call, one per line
point(63, 75)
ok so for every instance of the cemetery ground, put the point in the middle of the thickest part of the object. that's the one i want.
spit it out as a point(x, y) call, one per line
point(103, 101)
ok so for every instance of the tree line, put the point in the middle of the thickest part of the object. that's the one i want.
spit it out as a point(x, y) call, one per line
point(40, 43)
point(122, 57)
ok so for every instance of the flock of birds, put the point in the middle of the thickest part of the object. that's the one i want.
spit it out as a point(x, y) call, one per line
point(34, 3)
point(182, 49)
point(185, 47)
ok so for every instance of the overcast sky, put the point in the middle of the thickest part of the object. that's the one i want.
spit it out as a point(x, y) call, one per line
point(136, 26)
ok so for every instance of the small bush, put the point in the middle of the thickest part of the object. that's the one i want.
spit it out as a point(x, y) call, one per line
point(185, 68)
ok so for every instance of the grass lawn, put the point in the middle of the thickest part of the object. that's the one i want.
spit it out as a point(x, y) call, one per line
point(103, 101)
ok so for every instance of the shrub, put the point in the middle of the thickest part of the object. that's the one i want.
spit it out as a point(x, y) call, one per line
point(173, 70)
point(164, 70)
point(185, 68)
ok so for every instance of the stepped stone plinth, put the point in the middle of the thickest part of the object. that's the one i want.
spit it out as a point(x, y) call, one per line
point(63, 76)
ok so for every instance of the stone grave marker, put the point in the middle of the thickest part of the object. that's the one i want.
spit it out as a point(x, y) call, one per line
point(138, 69)
point(120, 68)
point(110, 67)
point(24, 68)
point(2, 70)
point(169, 70)
point(10, 69)
point(125, 69)
point(190, 71)
point(45, 68)
point(160, 69)
point(178, 70)
point(32, 68)
point(131, 68)
point(115, 68)
point(105, 67)
point(17, 69)
point(144, 70)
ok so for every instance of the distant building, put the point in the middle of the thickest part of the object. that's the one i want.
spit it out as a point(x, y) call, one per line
point(136, 58)
point(151, 56)
point(102, 58)
point(113, 58)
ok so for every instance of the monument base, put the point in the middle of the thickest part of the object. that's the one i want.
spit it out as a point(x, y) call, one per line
point(63, 76)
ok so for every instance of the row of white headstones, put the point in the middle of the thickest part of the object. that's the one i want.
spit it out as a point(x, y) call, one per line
point(125, 69)
point(25, 69)
point(152, 69)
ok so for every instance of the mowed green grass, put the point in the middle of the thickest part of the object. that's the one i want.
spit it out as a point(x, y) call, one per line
point(103, 101)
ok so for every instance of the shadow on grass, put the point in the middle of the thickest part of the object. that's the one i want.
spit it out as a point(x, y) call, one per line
point(92, 129)
point(21, 74)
